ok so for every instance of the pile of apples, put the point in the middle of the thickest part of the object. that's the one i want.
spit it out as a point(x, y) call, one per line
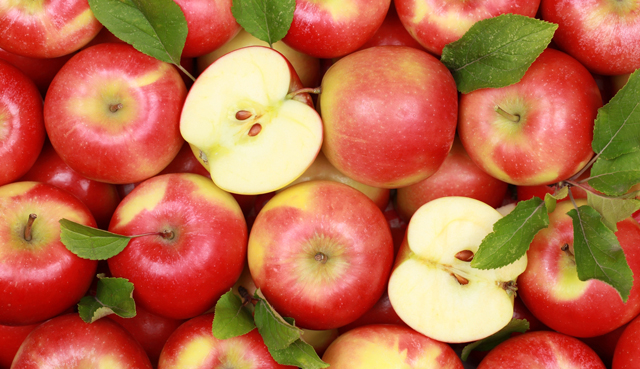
point(340, 172)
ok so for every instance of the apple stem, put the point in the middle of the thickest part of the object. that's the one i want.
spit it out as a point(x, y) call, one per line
point(515, 118)
point(308, 90)
point(167, 234)
point(27, 228)
point(566, 249)
point(115, 107)
point(246, 298)
point(321, 258)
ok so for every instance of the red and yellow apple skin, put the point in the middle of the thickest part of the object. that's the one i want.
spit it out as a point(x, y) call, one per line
point(104, 99)
point(457, 176)
point(392, 32)
point(39, 278)
point(389, 114)
point(551, 290)
point(555, 105)
point(193, 346)
point(46, 29)
point(184, 274)
point(68, 342)
point(625, 355)
point(435, 23)
point(604, 35)
point(542, 349)
point(333, 28)
point(22, 131)
point(321, 253)
point(389, 346)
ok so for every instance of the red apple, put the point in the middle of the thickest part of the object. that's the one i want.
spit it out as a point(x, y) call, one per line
point(329, 29)
point(321, 253)
point(380, 313)
point(603, 35)
point(541, 349)
point(113, 113)
point(537, 131)
point(197, 248)
point(605, 344)
point(46, 29)
point(11, 337)
point(39, 278)
point(22, 131)
point(40, 70)
point(390, 115)
point(68, 342)
point(551, 290)
point(392, 32)
point(626, 352)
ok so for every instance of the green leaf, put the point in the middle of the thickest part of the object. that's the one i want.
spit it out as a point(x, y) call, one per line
point(616, 177)
point(113, 296)
point(617, 126)
point(613, 209)
point(512, 235)
point(550, 200)
point(231, 318)
point(299, 354)
point(276, 331)
point(496, 52)
point(486, 344)
point(598, 253)
point(267, 20)
point(157, 28)
point(91, 243)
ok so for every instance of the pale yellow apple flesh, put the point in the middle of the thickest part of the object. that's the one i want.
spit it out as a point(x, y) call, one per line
point(244, 128)
point(438, 294)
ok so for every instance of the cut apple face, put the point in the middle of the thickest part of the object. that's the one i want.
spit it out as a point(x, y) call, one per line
point(433, 287)
point(243, 125)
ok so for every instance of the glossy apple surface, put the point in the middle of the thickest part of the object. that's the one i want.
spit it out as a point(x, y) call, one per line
point(392, 32)
point(11, 337)
point(626, 352)
point(389, 115)
point(547, 137)
point(320, 252)
point(40, 70)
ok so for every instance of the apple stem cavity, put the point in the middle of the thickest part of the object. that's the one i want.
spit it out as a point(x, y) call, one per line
point(515, 118)
point(465, 255)
point(167, 234)
point(115, 107)
point(246, 298)
point(307, 90)
point(255, 129)
point(321, 258)
point(27, 228)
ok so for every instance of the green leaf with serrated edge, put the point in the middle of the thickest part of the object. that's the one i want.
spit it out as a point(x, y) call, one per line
point(496, 52)
point(550, 200)
point(113, 296)
point(276, 332)
point(512, 235)
point(231, 318)
point(486, 344)
point(299, 354)
point(616, 177)
point(267, 20)
point(157, 28)
point(598, 253)
point(617, 126)
point(613, 209)
point(91, 243)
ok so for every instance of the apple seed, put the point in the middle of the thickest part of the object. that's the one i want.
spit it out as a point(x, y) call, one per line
point(243, 115)
point(465, 255)
point(462, 280)
point(255, 129)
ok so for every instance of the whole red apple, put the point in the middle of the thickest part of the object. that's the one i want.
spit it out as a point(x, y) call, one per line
point(626, 352)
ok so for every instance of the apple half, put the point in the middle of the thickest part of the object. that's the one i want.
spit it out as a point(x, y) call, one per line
point(433, 287)
point(247, 125)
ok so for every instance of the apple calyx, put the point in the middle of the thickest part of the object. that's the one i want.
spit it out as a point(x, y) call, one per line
point(115, 107)
point(27, 228)
point(515, 118)
point(321, 258)
point(167, 234)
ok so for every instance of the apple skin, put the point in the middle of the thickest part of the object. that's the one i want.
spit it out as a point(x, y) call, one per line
point(332, 221)
point(392, 32)
point(40, 71)
point(390, 115)
point(101, 198)
point(40, 278)
point(557, 101)
point(603, 35)
point(389, 346)
point(22, 131)
point(435, 23)
point(330, 29)
point(551, 290)
point(68, 342)
point(457, 176)
point(626, 352)
point(380, 313)
point(544, 349)
point(193, 346)
point(147, 96)
point(11, 337)
point(184, 275)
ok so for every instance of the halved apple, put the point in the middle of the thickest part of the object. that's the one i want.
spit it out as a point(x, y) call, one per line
point(433, 287)
point(247, 124)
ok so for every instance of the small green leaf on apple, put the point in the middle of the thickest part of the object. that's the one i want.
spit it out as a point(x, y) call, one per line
point(486, 344)
point(614, 209)
point(267, 20)
point(113, 296)
point(512, 235)
point(91, 243)
point(299, 354)
point(550, 200)
point(157, 28)
point(615, 177)
point(597, 251)
point(496, 52)
point(278, 333)
point(232, 318)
